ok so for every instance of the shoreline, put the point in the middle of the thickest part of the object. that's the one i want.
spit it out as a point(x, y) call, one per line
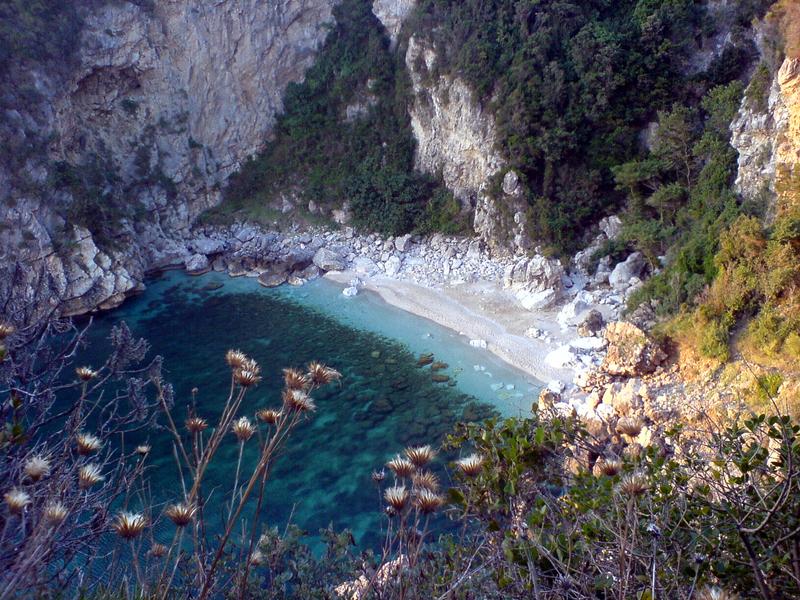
point(459, 308)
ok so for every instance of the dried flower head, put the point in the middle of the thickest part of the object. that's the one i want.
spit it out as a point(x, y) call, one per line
point(196, 424)
point(633, 484)
point(85, 373)
point(257, 558)
point(401, 467)
point(37, 467)
point(181, 514)
point(420, 455)
point(54, 513)
point(6, 329)
point(295, 380)
point(298, 400)
point(715, 593)
point(246, 377)
point(129, 525)
point(143, 449)
point(16, 501)
point(425, 480)
point(396, 497)
point(243, 429)
point(235, 359)
point(89, 475)
point(427, 501)
point(631, 426)
point(378, 476)
point(268, 416)
point(470, 465)
point(608, 467)
point(87, 443)
point(158, 550)
point(322, 375)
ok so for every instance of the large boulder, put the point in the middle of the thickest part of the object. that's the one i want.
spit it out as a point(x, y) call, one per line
point(592, 324)
point(197, 264)
point(328, 260)
point(632, 267)
point(272, 279)
point(631, 352)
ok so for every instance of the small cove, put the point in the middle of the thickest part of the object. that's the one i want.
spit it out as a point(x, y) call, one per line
point(384, 403)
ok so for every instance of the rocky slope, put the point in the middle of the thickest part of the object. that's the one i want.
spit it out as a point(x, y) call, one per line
point(172, 97)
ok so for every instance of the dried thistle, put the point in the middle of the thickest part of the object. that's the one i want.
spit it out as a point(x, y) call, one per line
point(6, 329)
point(37, 467)
point(298, 400)
point(16, 501)
point(54, 513)
point(87, 443)
point(715, 593)
point(608, 467)
point(268, 416)
point(425, 480)
point(378, 476)
point(319, 374)
point(89, 475)
point(243, 429)
point(470, 465)
point(420, 455)
point(427, 502)
point(633, 484)
point(129, 525)
point(295, 380)
point(181, 514)
point(235, 359)
point(401, 467)
point(143, 449)
point(246, 377)
point(257, 558)
point(196, 424)
point(158, 550)
point(396, 497)
point(631, 426)
point(85, 373)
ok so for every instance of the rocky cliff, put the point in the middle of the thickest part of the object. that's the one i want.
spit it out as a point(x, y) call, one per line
point(171, 97)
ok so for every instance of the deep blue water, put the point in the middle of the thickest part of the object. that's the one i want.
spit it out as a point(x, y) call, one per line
point(384, 402)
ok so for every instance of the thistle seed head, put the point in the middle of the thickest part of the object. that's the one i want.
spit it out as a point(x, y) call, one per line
point(396, 497)
point(6, 329)
point(143, 449)
point(378, 476)
point(87, 443)
point(243, 429)
point(158, 550)
point(425, 481)
point(715, 593)
point(246, 377)
point(633, 484)
point(401, 467)
point(235, 359)
point(470, 465)
point(37, 467)
point(54, 513)
point(631, 426)
point(181, 514)
point(89, 475)
point(17, 500)
point(196, 424)
point(319, 374)
point(420, 455)
point(85, 373)
point(295, 380)
point(257, 558)
point(608, 467)
point(268, 416)
point(298, 400)
point(427, 502)
point(129, 525)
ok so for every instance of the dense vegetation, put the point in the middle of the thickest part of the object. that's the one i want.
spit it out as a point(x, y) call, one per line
point(345, 134)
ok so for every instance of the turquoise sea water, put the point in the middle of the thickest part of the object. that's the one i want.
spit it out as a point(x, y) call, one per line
point(384, 402)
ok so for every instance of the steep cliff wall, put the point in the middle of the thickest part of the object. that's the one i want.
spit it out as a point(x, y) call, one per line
point(170, 99)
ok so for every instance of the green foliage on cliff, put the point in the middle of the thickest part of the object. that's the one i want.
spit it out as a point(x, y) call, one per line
point(345, 134)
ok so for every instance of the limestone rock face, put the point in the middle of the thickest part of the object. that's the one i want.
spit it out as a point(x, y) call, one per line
point(620, 278)
point(172, 96)
point(328, 260)
point(392, 13)
point(769, 142)
point(630, 352)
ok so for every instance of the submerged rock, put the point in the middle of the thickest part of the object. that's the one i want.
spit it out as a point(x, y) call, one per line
point(272, 279)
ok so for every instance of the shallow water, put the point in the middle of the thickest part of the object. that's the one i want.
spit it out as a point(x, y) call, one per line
point(384, 403)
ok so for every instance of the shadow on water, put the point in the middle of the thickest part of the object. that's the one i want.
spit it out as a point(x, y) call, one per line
point(384, 402)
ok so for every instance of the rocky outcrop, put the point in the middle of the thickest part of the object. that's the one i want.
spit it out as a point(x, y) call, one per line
point(171, 97)
point(392, 13)
point(631, 352)
point(768, 141)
